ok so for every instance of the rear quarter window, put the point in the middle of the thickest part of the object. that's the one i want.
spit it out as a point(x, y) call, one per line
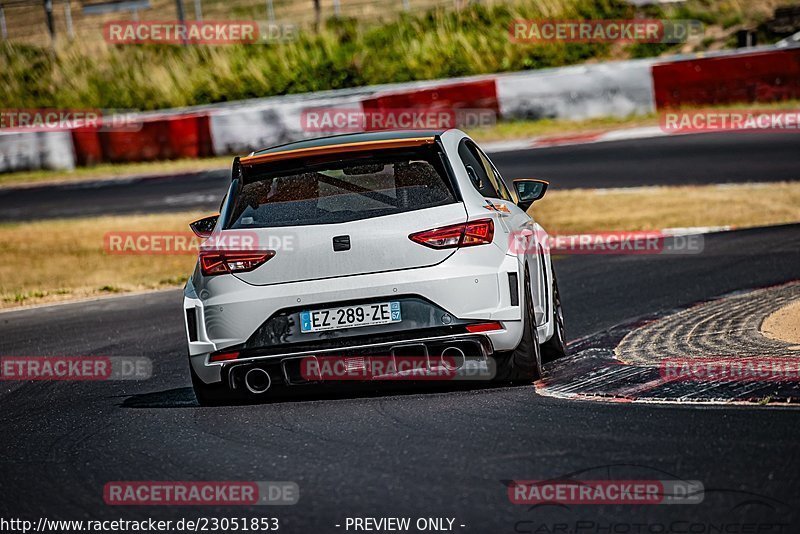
point(477, 170)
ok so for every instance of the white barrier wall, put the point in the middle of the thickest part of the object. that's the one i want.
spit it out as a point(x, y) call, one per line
point(36, 150)
point(614, 89)
point(586, 91)
point(274, 120)
point(611, 89)
point(260, 125)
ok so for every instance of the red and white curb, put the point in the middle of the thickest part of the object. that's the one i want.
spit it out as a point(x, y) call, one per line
point(673, 356)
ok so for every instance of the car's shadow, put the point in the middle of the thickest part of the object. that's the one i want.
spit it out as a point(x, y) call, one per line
point(169, 398)
point(184, 397)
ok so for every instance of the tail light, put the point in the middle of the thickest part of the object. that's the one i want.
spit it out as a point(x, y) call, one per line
point(468, 234)
point(226, 262)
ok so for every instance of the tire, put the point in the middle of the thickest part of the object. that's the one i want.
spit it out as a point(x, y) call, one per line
point(524, 364)
point(556, 346)
point(213, 394)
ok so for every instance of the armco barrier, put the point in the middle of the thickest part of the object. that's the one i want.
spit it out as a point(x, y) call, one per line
point(158, 137)
point(581, 92)
point(168, 137)
point(36, 150)
point(475, 94)
point(244, 129)
point(88, 150)
point(757, 77)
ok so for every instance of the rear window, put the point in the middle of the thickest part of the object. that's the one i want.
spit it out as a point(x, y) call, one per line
point(342, 190)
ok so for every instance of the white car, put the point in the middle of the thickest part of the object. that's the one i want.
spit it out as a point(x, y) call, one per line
point(385, 244)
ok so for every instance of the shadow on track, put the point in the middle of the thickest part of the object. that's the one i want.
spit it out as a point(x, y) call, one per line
point(184, 397)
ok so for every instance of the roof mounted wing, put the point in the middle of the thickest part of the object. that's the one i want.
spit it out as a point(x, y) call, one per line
point(361, 146)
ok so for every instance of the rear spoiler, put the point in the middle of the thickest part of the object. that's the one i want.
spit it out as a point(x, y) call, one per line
point(363, 146)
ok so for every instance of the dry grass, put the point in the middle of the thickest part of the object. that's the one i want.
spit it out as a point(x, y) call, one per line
point(49, 261)
point(652, 208)
point(27, 24)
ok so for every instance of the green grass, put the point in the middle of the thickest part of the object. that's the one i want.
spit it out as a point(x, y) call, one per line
point(438, 44)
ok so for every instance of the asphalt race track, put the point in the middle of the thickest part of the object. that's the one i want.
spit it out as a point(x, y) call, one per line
point(684, 159)
point(678, 160)
point(422, 452)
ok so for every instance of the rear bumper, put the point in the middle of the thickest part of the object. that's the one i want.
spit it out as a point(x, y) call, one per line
point(227, 312)
point(286, 367)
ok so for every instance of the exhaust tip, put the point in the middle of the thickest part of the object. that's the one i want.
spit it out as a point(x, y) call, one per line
point(453, 358)
point(257, 381)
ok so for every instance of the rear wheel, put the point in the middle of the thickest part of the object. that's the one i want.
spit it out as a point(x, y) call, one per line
point(523, 364)
point(212, 394)
point(556, 346)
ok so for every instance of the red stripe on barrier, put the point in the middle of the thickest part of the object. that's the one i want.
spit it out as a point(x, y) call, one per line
point(479, 94)
point(87, 147)
point(185, 136)
point(758, 77)
point(205, 147)
point(189, 137)
point(142, 145)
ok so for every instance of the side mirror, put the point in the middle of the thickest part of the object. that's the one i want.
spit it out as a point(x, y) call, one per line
point(204, 227)
point(529, 190)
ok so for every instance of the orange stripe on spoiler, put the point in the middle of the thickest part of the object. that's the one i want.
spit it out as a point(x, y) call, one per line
point(337, 149)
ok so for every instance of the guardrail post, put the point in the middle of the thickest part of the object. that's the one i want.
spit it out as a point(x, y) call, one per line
point(48, 13)
point(3, 29)
point(68, 18)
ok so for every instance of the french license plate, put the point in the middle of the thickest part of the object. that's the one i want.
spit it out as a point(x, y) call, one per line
point(350, 317)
